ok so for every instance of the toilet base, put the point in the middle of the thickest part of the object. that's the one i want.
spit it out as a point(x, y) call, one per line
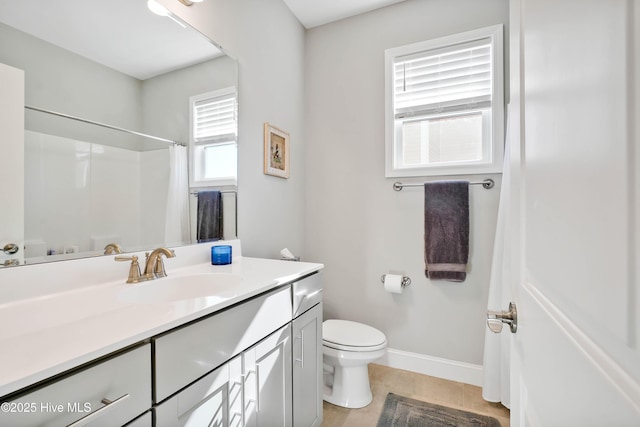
point(350, 388)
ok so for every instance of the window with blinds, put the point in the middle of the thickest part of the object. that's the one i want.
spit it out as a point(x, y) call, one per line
point(214, 130)
point(215, 119)
point(444, 112)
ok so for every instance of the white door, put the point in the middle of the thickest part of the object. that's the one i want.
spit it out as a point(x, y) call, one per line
point(11, 163)
point(575, 128)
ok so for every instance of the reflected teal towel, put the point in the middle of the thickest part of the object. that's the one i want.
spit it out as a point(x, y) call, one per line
point(209, 221)
point(446, 230)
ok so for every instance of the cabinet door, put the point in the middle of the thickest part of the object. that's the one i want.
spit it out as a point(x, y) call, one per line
point(267, 381)
point(215, 400)
point(307, 368)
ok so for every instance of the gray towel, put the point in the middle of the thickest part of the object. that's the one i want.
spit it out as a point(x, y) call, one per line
point(446, 230)
point(209, 224)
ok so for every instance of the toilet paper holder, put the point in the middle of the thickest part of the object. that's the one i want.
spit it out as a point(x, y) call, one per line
point(406, 281)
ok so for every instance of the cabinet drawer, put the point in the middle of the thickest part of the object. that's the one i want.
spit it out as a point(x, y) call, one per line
point(306, 293)
point(83, 397)
point(186, 354)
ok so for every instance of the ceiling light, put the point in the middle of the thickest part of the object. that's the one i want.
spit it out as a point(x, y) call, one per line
point(189, 2)
point(157, 8)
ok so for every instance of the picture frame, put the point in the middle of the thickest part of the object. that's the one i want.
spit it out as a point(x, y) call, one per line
point(276, 151)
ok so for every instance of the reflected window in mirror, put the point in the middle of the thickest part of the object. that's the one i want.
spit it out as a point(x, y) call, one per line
point(214, 138)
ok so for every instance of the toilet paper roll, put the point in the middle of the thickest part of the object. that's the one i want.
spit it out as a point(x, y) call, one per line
point(393, 283)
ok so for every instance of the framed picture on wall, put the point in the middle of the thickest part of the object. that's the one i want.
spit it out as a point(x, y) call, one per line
point(276, 151)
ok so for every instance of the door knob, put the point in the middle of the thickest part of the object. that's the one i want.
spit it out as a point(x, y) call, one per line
point(496, 319)
point(10, 248)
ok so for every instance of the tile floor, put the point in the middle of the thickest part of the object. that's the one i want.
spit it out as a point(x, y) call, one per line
point(416, 386)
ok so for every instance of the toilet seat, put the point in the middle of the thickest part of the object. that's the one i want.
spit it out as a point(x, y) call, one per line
point(351, 336)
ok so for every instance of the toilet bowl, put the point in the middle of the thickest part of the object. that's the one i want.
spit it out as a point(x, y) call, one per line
point(347, 349)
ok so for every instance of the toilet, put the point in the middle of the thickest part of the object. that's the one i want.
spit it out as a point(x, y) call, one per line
point(347, 349)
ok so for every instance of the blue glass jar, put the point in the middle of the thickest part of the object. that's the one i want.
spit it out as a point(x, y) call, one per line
point(221, 255)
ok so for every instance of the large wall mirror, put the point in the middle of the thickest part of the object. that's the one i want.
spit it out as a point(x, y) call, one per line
point(109, 89)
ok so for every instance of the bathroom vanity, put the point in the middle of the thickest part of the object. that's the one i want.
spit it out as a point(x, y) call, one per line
point(233, 345)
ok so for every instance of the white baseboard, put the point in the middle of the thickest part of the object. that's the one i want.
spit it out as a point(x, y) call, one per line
point(434, 366)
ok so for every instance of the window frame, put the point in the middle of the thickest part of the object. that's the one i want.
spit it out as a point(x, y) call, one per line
point(493, 145)
point(197, 150)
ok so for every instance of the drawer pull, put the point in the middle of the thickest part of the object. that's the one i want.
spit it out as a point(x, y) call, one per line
point(108, 404)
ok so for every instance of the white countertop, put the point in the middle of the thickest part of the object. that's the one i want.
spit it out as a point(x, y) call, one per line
point(45, 335)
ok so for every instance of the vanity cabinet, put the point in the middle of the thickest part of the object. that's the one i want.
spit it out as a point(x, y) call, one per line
point(109, 393)
point(256, 363)
point(264, 378)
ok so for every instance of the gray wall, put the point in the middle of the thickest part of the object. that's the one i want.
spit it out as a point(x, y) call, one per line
point(165, 98)
point(59, 80)
point(325, 86)
point(268, 42)
point(355, 223)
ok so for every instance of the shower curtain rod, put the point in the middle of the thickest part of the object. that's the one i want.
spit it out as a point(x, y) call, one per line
point(104, 125)
point(487, 184)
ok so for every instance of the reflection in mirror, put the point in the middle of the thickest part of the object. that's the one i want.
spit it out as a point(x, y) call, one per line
point(90, 189)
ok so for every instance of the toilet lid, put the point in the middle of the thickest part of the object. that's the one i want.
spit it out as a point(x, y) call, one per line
point(351, 334)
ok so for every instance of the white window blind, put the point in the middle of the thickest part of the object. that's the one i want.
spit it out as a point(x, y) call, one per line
point(215, 120)
point(444, 105)
point(450, 79)
point(213, 139)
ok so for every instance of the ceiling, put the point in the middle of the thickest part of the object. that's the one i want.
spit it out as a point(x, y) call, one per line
point(312, 13)
point(126, 36)
point(121, 34)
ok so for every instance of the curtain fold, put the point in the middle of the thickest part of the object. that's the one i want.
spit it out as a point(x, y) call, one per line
point(497, 352)
point(177, 224)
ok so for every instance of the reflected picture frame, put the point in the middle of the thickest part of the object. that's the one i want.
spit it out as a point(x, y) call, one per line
point(276, 151)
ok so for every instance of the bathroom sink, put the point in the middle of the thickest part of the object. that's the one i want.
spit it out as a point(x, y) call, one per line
point(180, 288)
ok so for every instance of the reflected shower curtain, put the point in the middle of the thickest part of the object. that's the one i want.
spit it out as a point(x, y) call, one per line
point(177, 220)
point(497, 353)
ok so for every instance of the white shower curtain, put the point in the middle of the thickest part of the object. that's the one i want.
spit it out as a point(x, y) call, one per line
point(177, 220)
point(496, 364)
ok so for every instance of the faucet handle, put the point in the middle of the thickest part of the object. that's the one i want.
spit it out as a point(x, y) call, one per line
point(158, 270)
point(134, 269)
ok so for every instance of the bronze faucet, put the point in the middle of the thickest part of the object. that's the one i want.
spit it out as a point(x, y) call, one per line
point(112, 248)
point(154, 267)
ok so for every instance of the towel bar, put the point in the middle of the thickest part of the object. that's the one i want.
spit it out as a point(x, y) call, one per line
point(487, 184)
